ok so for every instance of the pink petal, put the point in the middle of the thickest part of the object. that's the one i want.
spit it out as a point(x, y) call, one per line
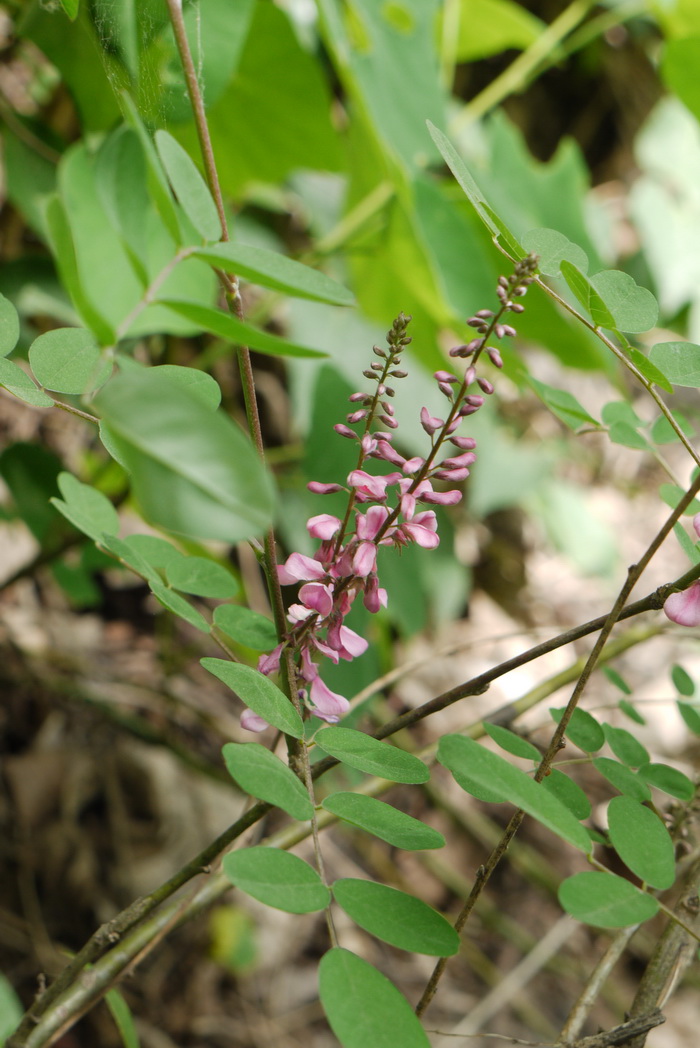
point(442, 498)
point(684, 608)
point(367, 525)
point(696, 524)
point(352, 642)
point(375, 597)
point(429, 422)
point(365, 559)
point(323, 526)
point(317, 597)
point(299, 568)
point(268, 664)
point(327, 704)
point(366, 484)
point(322, 489)
point(425, 538)
point(251, 722)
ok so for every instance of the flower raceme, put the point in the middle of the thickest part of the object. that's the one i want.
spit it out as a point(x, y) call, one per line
point(384, 509)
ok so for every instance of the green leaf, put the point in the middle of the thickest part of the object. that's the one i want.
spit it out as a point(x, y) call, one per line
point(624, 780)
point(551, 248)
point(633, 308)
point(464, 178)
point(86, 508)
point(512, 743)
point(18, 382)
point(568, 792)
point(263, 775)
point(682, 681)
point(587, 295)
point(583, 729)
point(662, 432)
point(156, 551)
point(487, 27)
point(256, 691)
point(631, 711)
point(9, 326)
point(190, 188)
point(71, 7)
point(384, 821)
point(179, 606)
point(672, 495)
point(650, 371)
point(68, 360)
point(642, 841)
point(475, 763)
point(192, 470)
point(396, 917)
point(363, 1007)
point(131, 557)
point(605, 900)
point(679, 361)
point(615, 678)
point(624, 434)
point(121, 185)
point(197, 383)
point(63, 249)
point(202, 577)
point(277, 879)
point(564, 405)
point(121, 1013)
point(625, 746)
point(158, 183)
point(680, 59)
point(246, 627)
point(691, 716)
point(669, 780)
point(230, 328)
point(272, 270)
point(11, 1010)
point(372, 756)
point(689, 547)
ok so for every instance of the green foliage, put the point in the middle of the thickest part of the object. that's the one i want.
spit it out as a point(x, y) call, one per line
point(384, 821)
point(259, 693)
point(642, 841)
point(263, 775)
point(371, 756)
point(277, 878)
point(476, 769)
point(605, 900)
point(363, 1007)
point(396, 918)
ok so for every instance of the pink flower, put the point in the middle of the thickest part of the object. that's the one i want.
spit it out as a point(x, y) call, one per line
point(268, 664)
point(322, 489)
point(345, 641)
point(252, 722)
point(298, 568)
point(323, 526)
point(429, 422)
point(442, 498)
point(370, 486)
point(375, 596)
point(696, 524)
point(367, 525)
point(684, 608)
point(422, 529)
point(317, 597)
point(328, 705)
point(365, 559)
